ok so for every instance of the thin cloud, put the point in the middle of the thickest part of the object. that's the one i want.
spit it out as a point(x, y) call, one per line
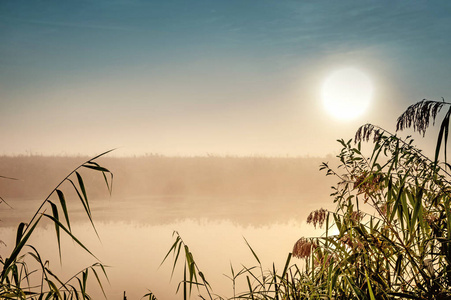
point(70, 25)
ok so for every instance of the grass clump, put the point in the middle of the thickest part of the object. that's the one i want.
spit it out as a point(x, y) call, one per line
point(19, 279)
point(389, 236)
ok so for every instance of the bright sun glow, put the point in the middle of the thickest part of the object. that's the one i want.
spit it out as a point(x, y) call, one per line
point(347, 93)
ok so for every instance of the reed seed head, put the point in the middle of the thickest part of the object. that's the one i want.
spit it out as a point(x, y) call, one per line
point(365, 131)
point(356, 216)
point(303, 248)
point(419, 114)
point(317, 217)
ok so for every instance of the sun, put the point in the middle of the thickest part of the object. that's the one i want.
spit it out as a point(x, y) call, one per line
point(347, 93)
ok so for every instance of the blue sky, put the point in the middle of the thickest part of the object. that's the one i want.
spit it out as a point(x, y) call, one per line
point(198, 77)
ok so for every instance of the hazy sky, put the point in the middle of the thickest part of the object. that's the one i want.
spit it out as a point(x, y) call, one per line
point(208, 77)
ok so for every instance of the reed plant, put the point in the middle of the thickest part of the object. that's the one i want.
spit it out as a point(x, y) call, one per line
point(389, 236)
point(19, 279)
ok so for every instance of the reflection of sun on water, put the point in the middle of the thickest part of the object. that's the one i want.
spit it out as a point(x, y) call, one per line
point(347, 93)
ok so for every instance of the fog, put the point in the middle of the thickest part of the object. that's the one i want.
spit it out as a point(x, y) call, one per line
point(213, 202)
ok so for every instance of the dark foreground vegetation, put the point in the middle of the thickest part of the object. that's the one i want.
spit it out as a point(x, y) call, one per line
point(388, 237)
point(27, 275)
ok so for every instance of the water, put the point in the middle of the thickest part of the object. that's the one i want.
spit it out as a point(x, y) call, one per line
point(136, 234)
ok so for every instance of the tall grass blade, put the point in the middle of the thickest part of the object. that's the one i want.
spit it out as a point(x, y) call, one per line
point(276, 286)
point(64, 207)
point(99, 282)
point(20, 231)
point(95, 166)
point(252, 250)
point(251, 291)
point(370, 289)
point(85, 206)
point(83, 190)
point(443, 135)
point(287, 263)
point(54, 289)
point(150, 295)
point(70, 234)
point(57, 229)
point(185, 292)
point(101, 154)
point(3, 200)
point(18, 248)
point(175, 249)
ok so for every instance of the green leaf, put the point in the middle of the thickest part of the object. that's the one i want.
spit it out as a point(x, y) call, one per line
point(443, 135)
point(85, 278)
point(53, 288)
point(286, 265)
point(85, 206)
point(398, 267)
point(251, 291)
point(103, 270)
point(276, 286)
point(99, 282)
point(20, 232)
point(82, 291)
point(370, 289)
point(70, 234)
point(175, 249)
point(252, 250)
point(55, 215)
point(101, 154)
point(417, 207)
point(54, 276)
point(83, 189)
point(191, 269)
point(202, 276)
point(151, 295)
point(97, 167)
point(18, 248)
point(11, 178)
point(64, 207)
point(176, 258)
point(397, 205)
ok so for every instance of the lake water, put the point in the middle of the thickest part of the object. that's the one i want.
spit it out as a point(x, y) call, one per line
point(137, 233)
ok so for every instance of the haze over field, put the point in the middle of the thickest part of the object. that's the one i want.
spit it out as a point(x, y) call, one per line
point(221, 188)
point(213, 201)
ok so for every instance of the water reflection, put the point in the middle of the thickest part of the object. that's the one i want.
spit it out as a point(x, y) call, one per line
point(213, 202)
point(135, 250)
point(136, 233)
point(167, 209)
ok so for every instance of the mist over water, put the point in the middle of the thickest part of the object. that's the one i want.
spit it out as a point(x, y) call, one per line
point(214, 203)
point(134, 252)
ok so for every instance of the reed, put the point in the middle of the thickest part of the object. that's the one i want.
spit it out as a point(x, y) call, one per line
point(18, 279)
point(391, 236)
point(392, 224)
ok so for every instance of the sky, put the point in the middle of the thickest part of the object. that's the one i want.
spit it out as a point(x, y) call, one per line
point(209, 77)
